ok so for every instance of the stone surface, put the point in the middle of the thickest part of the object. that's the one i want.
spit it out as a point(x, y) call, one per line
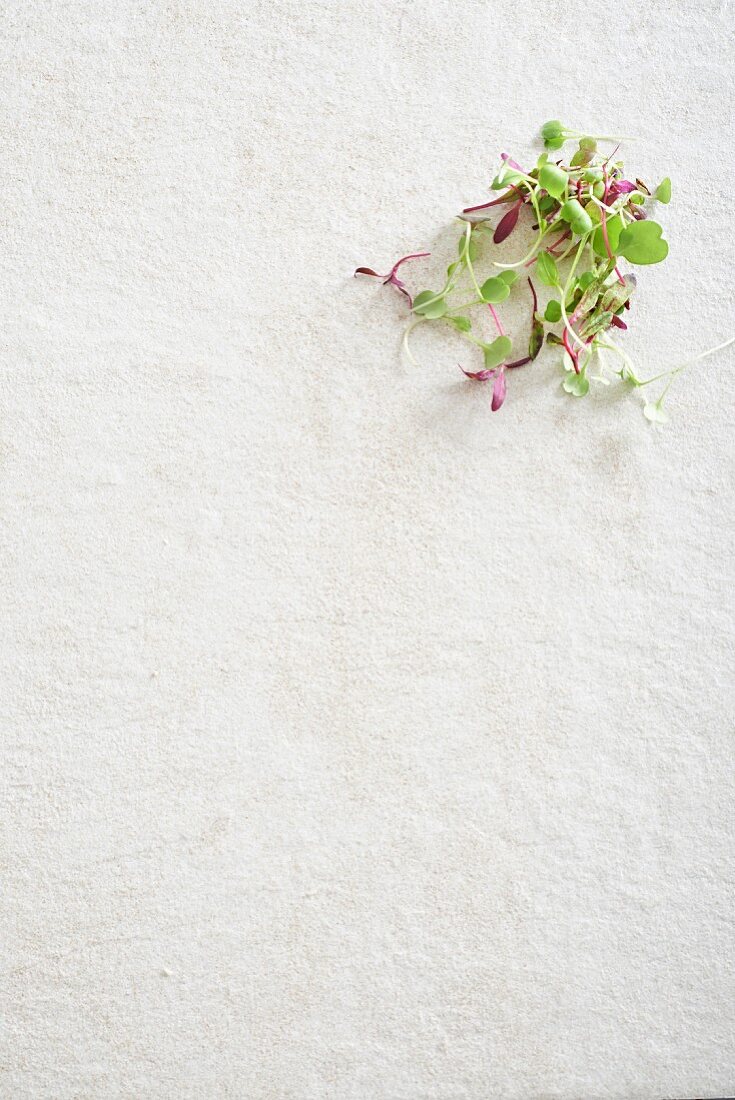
point(357, 744)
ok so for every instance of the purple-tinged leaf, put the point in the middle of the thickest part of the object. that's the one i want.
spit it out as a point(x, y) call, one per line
point(620, 187)
point(508, 197)
point(498, 391)
point(404, 259)
point(507, 223)
point(536, 339)
point(512, 163)
point(618, 323)
point(391, 276)
point(478, 375)
point(401, 287)
point(596, 322)
point(614, 297)
point(518, 362)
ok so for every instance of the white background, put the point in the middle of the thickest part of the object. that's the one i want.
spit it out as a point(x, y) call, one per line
point(357, 743)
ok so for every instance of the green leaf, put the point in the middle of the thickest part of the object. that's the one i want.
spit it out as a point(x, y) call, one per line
point(585, 279)
point(505, 178)
point(428, 304)
point(554, 143)
point(597, 322)
point(615, 296)
point(546, 269)
point(451, 269)
point(585, 153)
point(577, 384)
point(494, 290)
point(497, 352)
point(536, 339)
point(642, 243)
point(552, 130)
point(553, 179)
point(614, 229)
point(575, 214)
point(553, 311)
point(508, 276)
point(663, 191)
point(462, 324)
point(546, 204)
point(589, 296)
point(471, 248)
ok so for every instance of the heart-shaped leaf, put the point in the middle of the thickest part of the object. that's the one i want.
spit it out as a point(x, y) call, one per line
point(428, 304)
point(547, 270)
point(495, 290)
point(508, 276)
point(552, 130)
point(614, 228)
point(496, 352)
point(642, 243)
point(653, 412)
point(577, 384)
point(663, 191)
point(553, 311)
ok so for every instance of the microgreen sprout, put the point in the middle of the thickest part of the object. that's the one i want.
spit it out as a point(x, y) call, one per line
point(392, 278)
point(588, 218)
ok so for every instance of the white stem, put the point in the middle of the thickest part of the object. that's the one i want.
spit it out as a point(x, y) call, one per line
point(404, 342)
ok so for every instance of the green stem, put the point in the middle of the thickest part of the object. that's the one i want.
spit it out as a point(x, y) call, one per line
point(596, 137)
point(465, 258)
point(468, 305)
point(565, 291)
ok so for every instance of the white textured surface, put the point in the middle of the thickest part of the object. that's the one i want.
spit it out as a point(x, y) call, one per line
point(356, 744)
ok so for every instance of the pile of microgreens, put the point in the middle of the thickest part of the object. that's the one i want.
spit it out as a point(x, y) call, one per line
point(587, 217)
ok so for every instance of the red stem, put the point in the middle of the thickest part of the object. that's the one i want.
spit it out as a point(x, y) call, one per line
point(533, 291)
point(570, 351)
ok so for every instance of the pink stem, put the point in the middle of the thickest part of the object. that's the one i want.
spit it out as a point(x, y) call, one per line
point(570, 351)
point(603, 223)
point(496, 319)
